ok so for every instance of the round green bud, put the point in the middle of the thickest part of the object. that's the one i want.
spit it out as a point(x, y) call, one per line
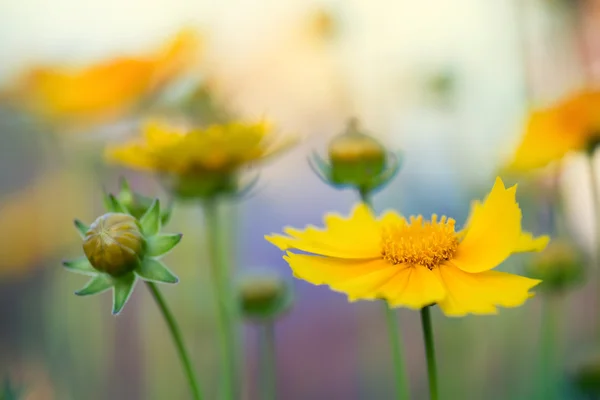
point(355, 157)
point(586, 377)
point(114, 244)
point(560, 266)
point(264, 296)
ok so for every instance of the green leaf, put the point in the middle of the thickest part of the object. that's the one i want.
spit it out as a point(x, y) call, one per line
point(97, 284)
point(151, 220)
point(162, 243)
point(80, 266)
point(122, 291)
point(155, 271)
point(81, 228)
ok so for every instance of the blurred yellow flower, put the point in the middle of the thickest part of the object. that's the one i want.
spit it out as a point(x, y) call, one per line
point(417, 263)
point(36, 222)
point(107, 89)
point(199, 153)
point(571, 125)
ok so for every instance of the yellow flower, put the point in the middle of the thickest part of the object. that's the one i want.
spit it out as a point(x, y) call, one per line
point(416, 263)
point(571, 125)
point(107, 89)
point(198, 154)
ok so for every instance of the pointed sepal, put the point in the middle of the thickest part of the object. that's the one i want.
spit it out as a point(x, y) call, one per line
point(80, 265)
point(115, 205)
point(166, 213)
point(162, 243)
point(125, 193)
point(97, 284)
point(123, 287)
point(150, 222)
point(81, 228)
point(155, 271)
point(394, 163)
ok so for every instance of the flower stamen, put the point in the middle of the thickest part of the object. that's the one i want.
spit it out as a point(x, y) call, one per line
point(418, 242)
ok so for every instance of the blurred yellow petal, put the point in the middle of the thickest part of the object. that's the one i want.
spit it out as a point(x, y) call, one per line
point(527, 242)
point(551, 133)
point(357, 236)
point(493, 232)
point(106, 89)
point(480, 293)
point(134, 154)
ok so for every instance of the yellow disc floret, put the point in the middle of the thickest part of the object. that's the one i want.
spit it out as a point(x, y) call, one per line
point(418, 242)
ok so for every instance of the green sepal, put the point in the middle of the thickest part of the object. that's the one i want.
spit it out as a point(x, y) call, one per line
point(114, 205)
point(162, 243)
point(81, 228)
point(125, 193)
point(97, 284)
point(393, 165)
point(165, 214)
point(80, 265)
point(155, 271)
point(10, 392)
point(123, 287)
point(150, 222)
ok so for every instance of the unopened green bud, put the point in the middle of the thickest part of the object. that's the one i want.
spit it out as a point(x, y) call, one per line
point(586, 377)
point(114, 244)
point(355, 157)
point(560, 266)
point(264, 296)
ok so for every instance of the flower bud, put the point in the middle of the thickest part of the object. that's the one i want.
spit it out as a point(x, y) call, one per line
point(586, 377)
point(264, 296)
point(559, 267)
point(355, 157)
point(114, 244)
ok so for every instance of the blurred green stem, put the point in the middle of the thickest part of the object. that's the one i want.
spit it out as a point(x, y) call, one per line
point(549, 385)
point(176, 334)
point(224, 296)
point(268, 361)
point(596, 211)
point(429, 352)
point(391, 319)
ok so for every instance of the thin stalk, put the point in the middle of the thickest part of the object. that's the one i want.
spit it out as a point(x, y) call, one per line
point(268, 369)
point(429, 352)
point(596, 211)
point(224, 297)
point(400, 380)
point(176, 335)
point(548, 349)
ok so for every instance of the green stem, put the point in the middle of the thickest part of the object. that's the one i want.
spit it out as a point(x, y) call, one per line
point(395, 339)
point(224, 297)
point(391, 319)
point(269, 371)
point(429, 352)
point(596, 211)
point(549, 351)
point(176, 334)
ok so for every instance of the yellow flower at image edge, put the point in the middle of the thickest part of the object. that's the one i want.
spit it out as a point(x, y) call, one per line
point(414, 263)
point(197, 154)
point(105, 89)
point(571, 125)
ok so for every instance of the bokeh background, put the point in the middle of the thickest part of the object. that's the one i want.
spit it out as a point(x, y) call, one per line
point(448, 84)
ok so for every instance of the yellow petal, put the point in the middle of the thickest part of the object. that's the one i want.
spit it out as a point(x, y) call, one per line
point(132, 154)
point(480, 293)
point(414, 286)
point(527, 242)
point(546, 138)
point(355, 237)
point(493, 232)
point(357, 278)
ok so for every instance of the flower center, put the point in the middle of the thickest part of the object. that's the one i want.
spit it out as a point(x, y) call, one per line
point(427, 243)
